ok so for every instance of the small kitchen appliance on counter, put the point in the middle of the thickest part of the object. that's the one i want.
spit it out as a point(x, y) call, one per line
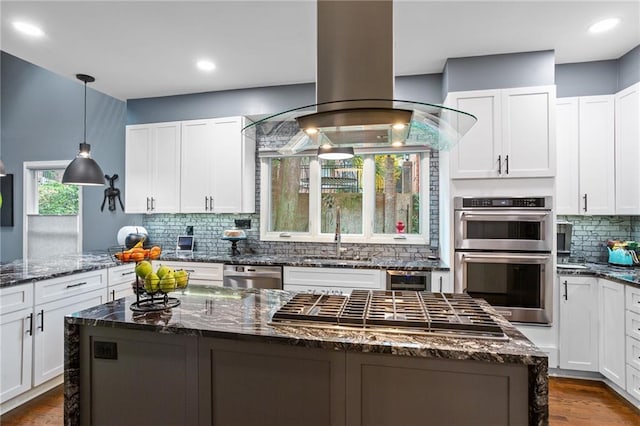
point(128, 236)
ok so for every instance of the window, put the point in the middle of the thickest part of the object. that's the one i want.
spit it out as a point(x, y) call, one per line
point(382, 197)
point(53, 212)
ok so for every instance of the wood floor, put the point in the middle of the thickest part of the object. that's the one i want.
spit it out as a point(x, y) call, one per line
point(571, 402)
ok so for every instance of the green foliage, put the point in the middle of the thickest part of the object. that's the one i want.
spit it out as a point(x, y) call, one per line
point(55, 198)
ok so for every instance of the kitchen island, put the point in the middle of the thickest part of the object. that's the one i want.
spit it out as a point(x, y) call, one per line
point(218, 358)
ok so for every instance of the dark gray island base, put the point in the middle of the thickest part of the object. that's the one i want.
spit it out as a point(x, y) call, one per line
point(217, 359)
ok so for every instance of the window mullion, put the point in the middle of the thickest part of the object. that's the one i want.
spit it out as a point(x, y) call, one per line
point(368, 195)
point(314, 197)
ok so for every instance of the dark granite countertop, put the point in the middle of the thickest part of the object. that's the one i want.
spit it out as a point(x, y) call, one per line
point(246, 315)
point(621, 274)
point(23, 271)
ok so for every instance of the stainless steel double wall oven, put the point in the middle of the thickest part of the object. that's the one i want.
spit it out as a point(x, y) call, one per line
point(503, 254)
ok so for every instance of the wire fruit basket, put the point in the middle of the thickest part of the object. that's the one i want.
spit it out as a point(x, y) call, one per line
point(152, 291)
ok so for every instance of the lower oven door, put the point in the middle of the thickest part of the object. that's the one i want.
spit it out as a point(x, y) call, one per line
point(518, 285)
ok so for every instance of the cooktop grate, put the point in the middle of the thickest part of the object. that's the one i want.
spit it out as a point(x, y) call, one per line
point(402, 310)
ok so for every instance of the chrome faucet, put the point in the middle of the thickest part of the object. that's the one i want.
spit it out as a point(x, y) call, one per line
point(338, 236)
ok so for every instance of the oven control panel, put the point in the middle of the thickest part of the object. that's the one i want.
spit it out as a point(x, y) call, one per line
point(508, 202)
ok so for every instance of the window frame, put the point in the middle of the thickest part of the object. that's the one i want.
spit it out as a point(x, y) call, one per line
point(368, 203)
point(30, 199)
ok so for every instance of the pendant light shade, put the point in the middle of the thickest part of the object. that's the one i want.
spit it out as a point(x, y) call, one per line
point(3, 172)
point(335, 152)
point(84, 170)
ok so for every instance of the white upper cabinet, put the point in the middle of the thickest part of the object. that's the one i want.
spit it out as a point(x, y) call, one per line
point(627, 150)
point(152, 168)
point(218, 167)
point(585, 139)
point(567, 143)
point(513, 137)
point(201, 166)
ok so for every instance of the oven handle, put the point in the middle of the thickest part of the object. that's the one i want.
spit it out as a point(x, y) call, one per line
point(522, 217)
point(543, 257)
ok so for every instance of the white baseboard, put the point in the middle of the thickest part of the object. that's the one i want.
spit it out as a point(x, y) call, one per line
point(17, 401)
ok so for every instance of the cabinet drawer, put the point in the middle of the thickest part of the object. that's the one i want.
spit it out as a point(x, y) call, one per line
point(633, 299)
point(15, 298)
point(121, 274)
point(633, 352)
point(71, 285)
point(633, 381)
point(197, 270)
point(335, 277)
point(632, 324)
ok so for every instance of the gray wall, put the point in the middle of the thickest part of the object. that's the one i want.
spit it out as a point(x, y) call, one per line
point(499, 71)
point(587, 79)
point(629, 71)
point(260, 101)
point(42, 120)
point(598, 77)
point(590, 235)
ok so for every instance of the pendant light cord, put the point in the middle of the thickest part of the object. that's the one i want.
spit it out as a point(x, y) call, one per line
point(85, 112)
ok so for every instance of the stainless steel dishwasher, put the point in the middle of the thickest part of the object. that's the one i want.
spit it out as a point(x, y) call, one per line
point(250, 276)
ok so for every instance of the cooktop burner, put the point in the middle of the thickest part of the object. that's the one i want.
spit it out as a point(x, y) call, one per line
point(397, 311)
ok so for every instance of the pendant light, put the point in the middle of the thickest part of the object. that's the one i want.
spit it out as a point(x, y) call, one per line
point(84, 170)
point(328, 152)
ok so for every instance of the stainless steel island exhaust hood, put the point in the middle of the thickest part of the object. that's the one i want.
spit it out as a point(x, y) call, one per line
point(355, 87)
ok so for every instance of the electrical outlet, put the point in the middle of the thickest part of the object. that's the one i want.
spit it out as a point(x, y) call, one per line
point(243, 223)
point(189, 230)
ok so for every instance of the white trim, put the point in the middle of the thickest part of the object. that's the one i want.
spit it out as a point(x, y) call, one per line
point(29, 201)
point(368, 202)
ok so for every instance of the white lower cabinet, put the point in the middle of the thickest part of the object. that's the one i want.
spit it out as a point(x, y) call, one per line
point(120, 281)
point(332, 280)
point(578, 348)
point(612, 331)
point(32, 329)
point(16, 341)
point(200, 273)
point(440, 282)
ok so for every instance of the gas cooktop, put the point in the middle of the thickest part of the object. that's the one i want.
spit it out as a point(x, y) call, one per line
point(457, 315)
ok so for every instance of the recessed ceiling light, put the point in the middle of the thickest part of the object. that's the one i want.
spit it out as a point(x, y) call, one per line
point(604, 25)
point(205, 65)
point(28, 29)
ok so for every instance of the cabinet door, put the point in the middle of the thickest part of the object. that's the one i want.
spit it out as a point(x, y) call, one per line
point(627, 128)
point(48, 353)
point(597, 155)
point(16, 339)
point(578, 323)
point(528, 132)
point(165, 177)
point(119, 291)
point(612, 335)
point(196, 173)
point(476, 154)
point(137, 169)
point(227, 166)
point(567, 143)
point(440, 282)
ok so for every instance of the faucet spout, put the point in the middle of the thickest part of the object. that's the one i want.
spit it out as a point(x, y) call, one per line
point(338, 235)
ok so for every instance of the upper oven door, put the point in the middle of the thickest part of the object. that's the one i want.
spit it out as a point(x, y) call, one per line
point(503, 230)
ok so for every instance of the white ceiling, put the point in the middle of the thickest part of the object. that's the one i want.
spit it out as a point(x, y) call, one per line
point(138, 49)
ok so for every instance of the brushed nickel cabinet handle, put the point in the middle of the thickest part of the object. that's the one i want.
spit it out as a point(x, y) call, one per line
point(566, 291)
point(585, 202)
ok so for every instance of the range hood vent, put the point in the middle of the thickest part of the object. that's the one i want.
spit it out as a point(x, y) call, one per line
point(354, 91)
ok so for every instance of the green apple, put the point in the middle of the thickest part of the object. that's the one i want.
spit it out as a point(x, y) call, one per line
point(182, 278)
point(151, 283)
point(168, 283)
point(162, 270)
point(143, 269)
